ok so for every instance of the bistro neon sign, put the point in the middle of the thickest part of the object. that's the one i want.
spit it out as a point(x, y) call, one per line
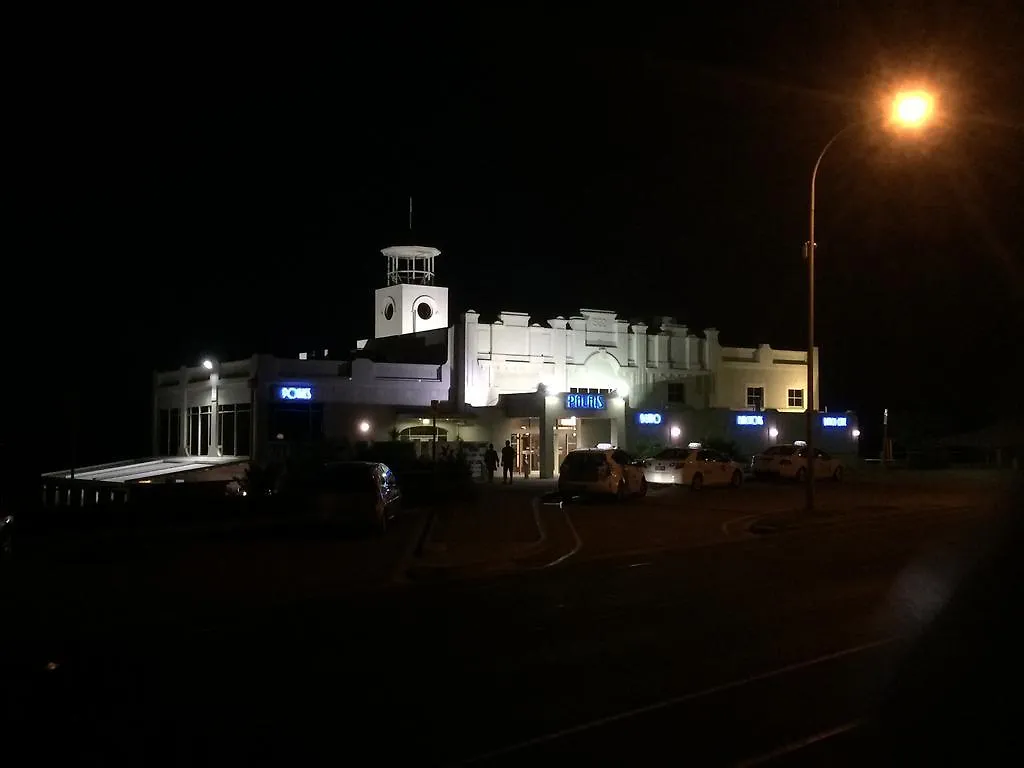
point(834, 421)
point(648, 418)
point(577, 401)
point(750, 420)
point(296, 393)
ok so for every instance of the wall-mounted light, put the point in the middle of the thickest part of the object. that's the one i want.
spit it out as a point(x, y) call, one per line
point(856, 433)
point(364, 427)
point(675, 431)
point(773, 433)
point(208, 364)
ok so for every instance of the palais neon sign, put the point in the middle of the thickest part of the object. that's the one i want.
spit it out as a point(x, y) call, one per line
point(750, 420)
point(575, 401)
point(296, 393)
point(648, 419)
point(833, 421)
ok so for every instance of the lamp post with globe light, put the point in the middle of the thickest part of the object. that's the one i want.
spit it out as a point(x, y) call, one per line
point(910, 109)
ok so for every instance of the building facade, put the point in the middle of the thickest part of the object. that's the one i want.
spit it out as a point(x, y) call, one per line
point(589, 379)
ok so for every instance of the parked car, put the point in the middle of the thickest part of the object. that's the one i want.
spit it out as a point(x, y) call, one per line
point(609, 471)
point(790, 462)
point(695, 467)
point(360, 492)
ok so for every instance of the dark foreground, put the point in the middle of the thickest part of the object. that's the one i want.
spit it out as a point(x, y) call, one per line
point(769, 650)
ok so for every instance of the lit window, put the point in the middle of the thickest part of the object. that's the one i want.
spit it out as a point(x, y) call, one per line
point(755, 398)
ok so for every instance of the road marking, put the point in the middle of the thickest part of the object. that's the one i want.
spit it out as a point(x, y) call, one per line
point(539, 523)
point(685, 698)
point(576, 548)
point(797, 745)
point(729, 523)
point(638, 565)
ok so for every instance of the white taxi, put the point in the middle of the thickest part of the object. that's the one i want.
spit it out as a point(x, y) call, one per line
point(608, 471)
point(789, 462)
point(695, 467)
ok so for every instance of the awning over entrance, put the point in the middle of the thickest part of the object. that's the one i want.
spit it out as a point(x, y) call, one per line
point(134, 471)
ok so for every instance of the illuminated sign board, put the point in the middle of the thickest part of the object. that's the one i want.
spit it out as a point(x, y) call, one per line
point(577, 401)
point(833, 421)
point(750, 420)
point(648, 419)
point(295, 393)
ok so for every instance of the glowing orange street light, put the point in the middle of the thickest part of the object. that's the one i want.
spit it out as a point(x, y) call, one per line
point(912, 108)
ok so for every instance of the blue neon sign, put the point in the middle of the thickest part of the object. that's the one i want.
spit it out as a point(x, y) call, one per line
point(750, 420)
point(834, 421)
point(648, 419)
point(295, 393)
point(577, 401)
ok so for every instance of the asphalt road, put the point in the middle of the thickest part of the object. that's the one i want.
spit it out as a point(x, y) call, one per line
point(709, 656)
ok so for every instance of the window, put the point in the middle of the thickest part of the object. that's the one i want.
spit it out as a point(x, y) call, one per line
point(673, 454)
point(425, 311)
point(676, 392)
point(233, 425)
point(297, 422)
point(199, 430)
point(755, 398)
point(590, 391)
point(621, 458)
point(423, 434)
point(795, 398)
point(168, 431)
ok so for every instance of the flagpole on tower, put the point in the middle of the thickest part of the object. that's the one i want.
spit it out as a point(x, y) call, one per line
point(410, 213)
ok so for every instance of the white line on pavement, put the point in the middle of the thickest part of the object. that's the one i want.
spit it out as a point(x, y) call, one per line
point(800, 744)
point(685, 698)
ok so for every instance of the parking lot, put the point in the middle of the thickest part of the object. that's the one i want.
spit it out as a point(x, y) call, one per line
point(678, 518)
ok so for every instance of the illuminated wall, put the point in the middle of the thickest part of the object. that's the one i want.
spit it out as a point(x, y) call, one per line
point(659, 365)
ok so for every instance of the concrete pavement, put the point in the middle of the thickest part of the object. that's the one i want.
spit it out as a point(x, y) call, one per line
point(703, 656)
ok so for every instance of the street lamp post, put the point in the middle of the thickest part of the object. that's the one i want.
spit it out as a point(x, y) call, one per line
point(809, 406)
point(909, 109)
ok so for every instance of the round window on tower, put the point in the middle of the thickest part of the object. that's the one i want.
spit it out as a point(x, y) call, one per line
point(425, 311)
point(389, 310)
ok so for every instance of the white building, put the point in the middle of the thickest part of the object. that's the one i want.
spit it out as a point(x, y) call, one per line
point(548, 387)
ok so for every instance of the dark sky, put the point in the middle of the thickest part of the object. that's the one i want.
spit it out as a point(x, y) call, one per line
point(224, 188)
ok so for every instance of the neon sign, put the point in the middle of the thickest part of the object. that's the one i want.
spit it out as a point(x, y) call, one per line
point(648, 418)
point(750, 420)
point(575, 401)
point(833, 421)
point(296, 393)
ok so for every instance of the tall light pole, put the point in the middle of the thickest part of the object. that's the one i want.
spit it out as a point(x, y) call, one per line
point(910, 110)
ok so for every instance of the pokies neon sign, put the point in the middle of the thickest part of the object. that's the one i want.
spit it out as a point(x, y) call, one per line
point(576, 401)
point(295, 393)
point(750, 420)
point(648, 419)
point(834, 421)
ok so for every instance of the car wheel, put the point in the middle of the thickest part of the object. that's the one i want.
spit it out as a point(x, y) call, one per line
point(697, 483)
point(801, 475)
point(643, 486)
point(838, 474)
point(737, 479)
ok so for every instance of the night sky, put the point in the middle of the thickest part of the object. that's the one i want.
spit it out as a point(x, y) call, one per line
point(226, 188)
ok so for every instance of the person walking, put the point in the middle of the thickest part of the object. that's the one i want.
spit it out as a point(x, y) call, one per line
point(490, 462)
point(508, 460)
